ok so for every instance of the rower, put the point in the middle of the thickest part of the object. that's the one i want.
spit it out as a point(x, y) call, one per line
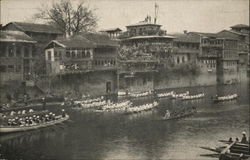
point(63, 113)
point(167, 115)
point(244, 138)
point(44, 103)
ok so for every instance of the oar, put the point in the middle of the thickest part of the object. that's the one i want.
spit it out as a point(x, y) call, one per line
point(213, 155)
point(210, 149)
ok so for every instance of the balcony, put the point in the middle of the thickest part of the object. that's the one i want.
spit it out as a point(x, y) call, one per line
point(211, 45)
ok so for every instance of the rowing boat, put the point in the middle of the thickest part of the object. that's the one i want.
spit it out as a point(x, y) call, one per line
point(180, 116)
point(226, 98)
point(11, 129)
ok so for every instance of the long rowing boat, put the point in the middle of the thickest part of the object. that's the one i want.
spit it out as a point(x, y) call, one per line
point(180, 116)
point(11, 129)
point(225, 98)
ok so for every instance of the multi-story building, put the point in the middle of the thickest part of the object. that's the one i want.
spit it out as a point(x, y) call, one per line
point(142, 49)
point(42, 33)
point(186, 48)
point(17, 55)
point(85, 58)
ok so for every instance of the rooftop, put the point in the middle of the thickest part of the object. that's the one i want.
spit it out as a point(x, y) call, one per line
point(143, 23)
point(15, 36)
point(111, 30)
point(100, 39)
point(191, 38)
point(150, 37)
point(73, 42)
point(33, 27)
point(85, 40)
point(240, 26)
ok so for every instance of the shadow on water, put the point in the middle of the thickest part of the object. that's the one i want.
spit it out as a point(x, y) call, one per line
point(138, 136)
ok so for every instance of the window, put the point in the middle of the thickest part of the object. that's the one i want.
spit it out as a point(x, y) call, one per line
point(49, 55)
point(10, 51)
point(73, 54)
point(183, 59)
point(26, 51)
point(18, 51)
point(67, 54)
point(60, 55)
point(18, 68)
point(56, 54)
point(178, 60)
point(10, 68)
point(3, 68)
point(83, 54)
point(78, 55)
point(2, 50)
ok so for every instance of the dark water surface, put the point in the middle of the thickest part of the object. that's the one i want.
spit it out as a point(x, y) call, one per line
point(139, 136)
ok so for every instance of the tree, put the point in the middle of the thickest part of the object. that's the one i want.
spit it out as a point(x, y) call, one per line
point(69, 18)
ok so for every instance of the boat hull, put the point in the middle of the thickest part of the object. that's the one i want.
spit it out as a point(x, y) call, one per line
point(28, 128)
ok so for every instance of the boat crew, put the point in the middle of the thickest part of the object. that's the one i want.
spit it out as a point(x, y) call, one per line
point(244, 138)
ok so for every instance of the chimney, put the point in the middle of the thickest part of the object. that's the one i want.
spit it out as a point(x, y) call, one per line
point(185, 31)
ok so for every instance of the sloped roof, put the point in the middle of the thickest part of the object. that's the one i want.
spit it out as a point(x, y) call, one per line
point(191, 38)
point(150, 37)
point(111, 30)
point(33, 27)
point(203, 34)
point(143, 23)
point(234, 32)
point(100, 39)
point(240, 26)
point(73, 42)
point(15, 36)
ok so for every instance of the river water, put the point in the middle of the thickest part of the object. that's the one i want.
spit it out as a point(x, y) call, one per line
point(110, 136)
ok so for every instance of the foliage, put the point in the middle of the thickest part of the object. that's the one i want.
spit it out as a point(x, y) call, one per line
point(68, 18)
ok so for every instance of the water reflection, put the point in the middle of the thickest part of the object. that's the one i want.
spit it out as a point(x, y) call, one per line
point(138, 136)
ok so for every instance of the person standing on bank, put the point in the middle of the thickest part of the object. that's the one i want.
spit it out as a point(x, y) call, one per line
point(44, 103)
point(244, 138)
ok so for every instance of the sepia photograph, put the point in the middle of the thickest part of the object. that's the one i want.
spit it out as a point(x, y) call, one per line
point(124, 80)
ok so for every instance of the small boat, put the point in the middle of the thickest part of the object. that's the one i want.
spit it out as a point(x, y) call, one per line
point(180, 116)
point(123, 93)
point(225, 98)
point(179, 95)
point(234, 150)
point(142, 94)
point(145, 107)
point(191, 97)
point(11, 129)
point(166, 94)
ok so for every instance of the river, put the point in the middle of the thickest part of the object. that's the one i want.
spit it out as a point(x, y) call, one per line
point(109, 136)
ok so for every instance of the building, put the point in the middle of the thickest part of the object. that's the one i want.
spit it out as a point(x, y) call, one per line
point(42, 33)
point(88, 59)
point(112, 32)
point(17, 56)
point(186, 48)
point(144, 47)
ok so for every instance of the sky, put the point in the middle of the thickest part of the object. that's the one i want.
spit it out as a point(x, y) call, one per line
point(174, 15)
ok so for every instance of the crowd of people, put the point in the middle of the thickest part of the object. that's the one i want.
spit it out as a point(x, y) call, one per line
point(113, 106)
point(228, 97)
point(141, 108)
point(30, 117)
point(187, 97)
point(144, 50)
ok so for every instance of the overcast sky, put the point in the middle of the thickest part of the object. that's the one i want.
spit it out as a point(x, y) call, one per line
point(174, 15)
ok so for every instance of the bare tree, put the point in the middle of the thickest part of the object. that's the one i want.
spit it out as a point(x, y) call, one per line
point(69, 18)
